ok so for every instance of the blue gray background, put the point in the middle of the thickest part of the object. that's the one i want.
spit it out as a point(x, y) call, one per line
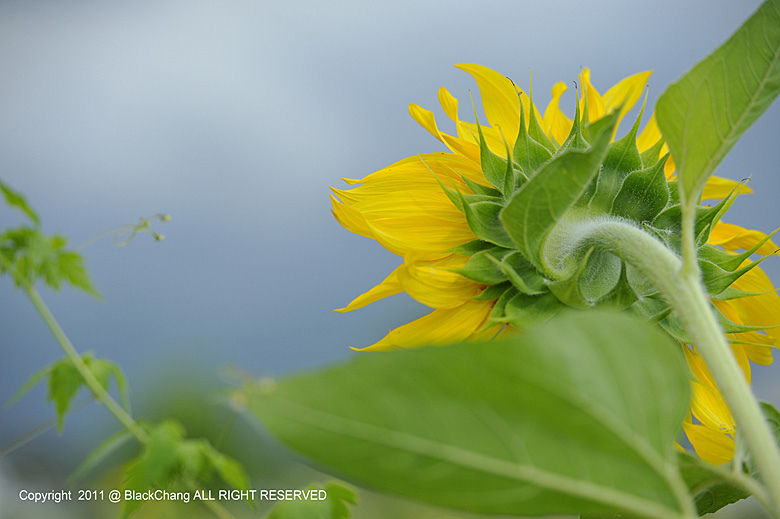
point(235, 117)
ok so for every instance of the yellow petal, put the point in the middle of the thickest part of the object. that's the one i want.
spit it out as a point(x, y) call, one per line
point(389, 287)
point(711, 445)
point(440, 327)
point(733, 237)
point(760, 310)
point(555, 123)
point(760, 353)
point(426, 119)
point(649, 136)
point(625, 94)
point(596, 106)
point(449, 104)
point(432, 282)
point(707, 404)
point(718, 188)
point(500, 99)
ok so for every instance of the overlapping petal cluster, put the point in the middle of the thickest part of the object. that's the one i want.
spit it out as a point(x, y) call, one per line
point(406, 208)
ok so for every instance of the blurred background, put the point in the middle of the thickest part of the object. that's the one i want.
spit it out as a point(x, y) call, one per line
point(234, 118)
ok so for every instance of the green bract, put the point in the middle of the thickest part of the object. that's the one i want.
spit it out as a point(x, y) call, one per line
point(533, 223)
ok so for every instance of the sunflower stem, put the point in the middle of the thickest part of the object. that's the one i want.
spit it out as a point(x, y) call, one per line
point(679, 283)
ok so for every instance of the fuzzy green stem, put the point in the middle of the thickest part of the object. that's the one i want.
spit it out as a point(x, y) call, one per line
point(679, 284)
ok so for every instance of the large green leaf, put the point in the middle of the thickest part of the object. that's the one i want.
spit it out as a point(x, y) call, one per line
point(703, 114)
point(579, 415)
point(534, 210)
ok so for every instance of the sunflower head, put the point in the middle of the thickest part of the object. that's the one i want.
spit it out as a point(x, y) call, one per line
point(523, 187)
point(489, 232)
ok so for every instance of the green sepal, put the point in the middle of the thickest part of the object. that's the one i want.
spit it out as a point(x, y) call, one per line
point(674, 192)
point(484, 266)
point(493, 167)
point(472, 247)
point(643, 195)
point(568, 290)
point(652, 155)
point(731, 261)
point(493, 292)
point(622, 295)
point(622, 158)
point(524, 311)
point(651, 309)
point(670, 220)
point(729, 326)
point(460, 200)
point(479, 189)
point(497, 314)
point(512, 177)
point(528, 153)
point(575, 139)
point(483, 220)
point(536, 208)
point(521, 273)
point(535, 130)
point(601, 276)
point(716, 279)
point(735, 293)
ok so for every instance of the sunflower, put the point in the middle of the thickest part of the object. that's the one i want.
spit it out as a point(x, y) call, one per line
point(438, 211)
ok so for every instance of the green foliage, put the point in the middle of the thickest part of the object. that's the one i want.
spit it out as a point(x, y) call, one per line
point(17, 201)
point(704, 113)
point(168, 456)
point(335, 506)
point(28, 254)
point(710, 487)
point(561, 419)
point(65, 381)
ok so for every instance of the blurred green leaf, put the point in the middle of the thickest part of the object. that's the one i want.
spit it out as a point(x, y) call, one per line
point(578, 415)
point(704, 113)
point(34, 255)
point(17, 201)
point(710, 489)
point(335, 506)
point(65, 381)
point(169, 456)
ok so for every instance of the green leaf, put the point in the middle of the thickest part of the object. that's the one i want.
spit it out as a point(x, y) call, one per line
point(579, 415)
point(535, 209)
point(65, 380)
point(36, 255)
point(710, 487)
point(64, 383)
point(17, 201)
point(704, 113)
point(334, 506)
